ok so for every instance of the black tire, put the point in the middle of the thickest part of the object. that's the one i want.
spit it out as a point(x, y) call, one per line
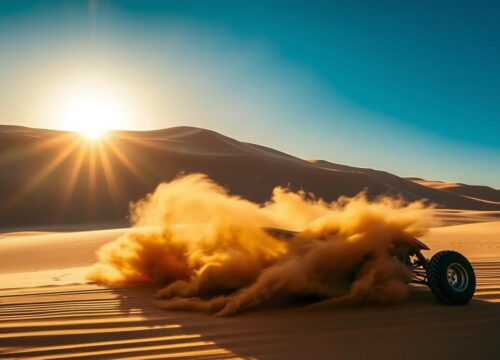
point(451, 278)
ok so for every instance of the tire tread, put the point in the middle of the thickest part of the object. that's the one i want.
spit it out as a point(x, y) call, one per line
point(434, 272)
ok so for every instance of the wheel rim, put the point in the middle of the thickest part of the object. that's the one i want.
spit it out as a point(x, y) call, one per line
point(457, 277)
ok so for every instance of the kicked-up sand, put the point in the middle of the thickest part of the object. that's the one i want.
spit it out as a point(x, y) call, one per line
point(48, 311)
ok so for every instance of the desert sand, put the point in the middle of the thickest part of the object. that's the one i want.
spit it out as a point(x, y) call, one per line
point(47, 310)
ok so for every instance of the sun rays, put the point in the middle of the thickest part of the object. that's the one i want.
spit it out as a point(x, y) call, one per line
point(85, 164)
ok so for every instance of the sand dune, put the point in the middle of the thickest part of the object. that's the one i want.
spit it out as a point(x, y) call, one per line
point(456, 217)
point(55, 178)
point(63, 317)
point(478, 192)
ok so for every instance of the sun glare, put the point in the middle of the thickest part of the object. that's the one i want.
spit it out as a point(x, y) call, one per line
point(92, 109)
point(90, 115)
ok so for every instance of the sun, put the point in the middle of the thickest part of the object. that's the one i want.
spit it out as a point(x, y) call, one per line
point(92, 109)
point(94, 133)
point(92, 115)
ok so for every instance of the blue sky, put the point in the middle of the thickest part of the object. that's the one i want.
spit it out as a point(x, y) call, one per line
point(407, 87)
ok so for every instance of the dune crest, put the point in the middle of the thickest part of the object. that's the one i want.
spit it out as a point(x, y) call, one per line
point(209, 249)
point(67, 181)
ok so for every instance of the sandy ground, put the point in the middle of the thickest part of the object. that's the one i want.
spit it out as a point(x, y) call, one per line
point(48, 311)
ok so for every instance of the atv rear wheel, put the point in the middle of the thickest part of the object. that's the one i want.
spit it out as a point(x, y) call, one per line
point(451, 278)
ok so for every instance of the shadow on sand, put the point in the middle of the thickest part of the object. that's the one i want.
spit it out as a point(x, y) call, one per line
point(91, 322)
point(418, 328)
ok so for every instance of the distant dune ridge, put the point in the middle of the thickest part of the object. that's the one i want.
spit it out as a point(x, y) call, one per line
point(55, 178)
point(484, 193)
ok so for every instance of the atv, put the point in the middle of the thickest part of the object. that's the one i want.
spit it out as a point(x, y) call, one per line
point(448, 274)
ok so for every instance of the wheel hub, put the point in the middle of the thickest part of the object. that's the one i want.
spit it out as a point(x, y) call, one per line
point(457, 277)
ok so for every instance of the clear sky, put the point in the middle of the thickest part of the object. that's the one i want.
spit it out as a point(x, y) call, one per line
point(410, 87)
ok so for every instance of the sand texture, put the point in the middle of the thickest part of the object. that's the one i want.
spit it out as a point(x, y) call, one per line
point(48, 311)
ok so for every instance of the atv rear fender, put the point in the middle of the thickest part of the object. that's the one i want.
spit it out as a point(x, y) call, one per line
point(412, 242)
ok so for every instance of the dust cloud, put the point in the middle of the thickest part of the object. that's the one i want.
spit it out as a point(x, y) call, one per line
point(210, 252)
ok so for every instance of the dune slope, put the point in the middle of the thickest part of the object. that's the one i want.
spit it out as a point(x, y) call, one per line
point(485, 193)
point(52, 177)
